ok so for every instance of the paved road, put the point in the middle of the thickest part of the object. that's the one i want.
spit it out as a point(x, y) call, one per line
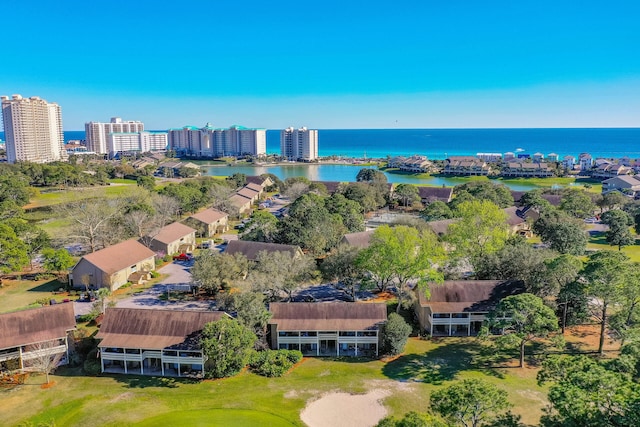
point(178, 273)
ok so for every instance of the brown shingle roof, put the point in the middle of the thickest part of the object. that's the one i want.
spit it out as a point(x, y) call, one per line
point(247, 192)
point(254, 186)
point(440, 227)
point(119, 256)
point(173, 232)
point(327, 316)
point(331, 186)
point(443, 194)
point(512, 216)
point(239, 201)
point(458, 296)
point(209, 216)
point(35, 325)
point(361, 239)
point(256, 180)
point(151, 329)
point(252, 249)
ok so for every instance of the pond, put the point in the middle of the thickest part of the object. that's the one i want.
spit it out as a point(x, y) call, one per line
point(342, 173)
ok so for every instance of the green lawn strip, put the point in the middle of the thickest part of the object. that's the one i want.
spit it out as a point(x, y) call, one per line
point(123, 181)
point(124, 400)
point(19, 294)
point(49, 197)
point(219, 417)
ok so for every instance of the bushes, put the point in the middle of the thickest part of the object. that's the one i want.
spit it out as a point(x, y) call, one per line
point(274, 363)
point(92, 363)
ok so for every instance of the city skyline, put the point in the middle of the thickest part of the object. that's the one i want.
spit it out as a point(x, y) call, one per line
point(353, 65)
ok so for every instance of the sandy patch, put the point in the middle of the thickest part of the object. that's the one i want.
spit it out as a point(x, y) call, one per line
point(348, 410)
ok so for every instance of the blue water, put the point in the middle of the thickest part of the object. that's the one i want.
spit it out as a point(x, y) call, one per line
point(440, 143)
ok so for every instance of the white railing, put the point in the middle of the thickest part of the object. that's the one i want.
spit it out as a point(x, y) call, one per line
point(43, 352)
point(9, 356)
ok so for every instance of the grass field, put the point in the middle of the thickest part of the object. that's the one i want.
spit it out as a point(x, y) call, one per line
point(598, 242)
point(52, 197)
point(248, 399)
point(18, 294)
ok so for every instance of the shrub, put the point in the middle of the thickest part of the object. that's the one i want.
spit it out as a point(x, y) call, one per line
point(395, 334)
point(273, 363)
point(92, 363)
point(155, 274)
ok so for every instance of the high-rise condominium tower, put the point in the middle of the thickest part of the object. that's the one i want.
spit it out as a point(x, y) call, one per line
point(33, 130)
point(299, 144)
point(97, 133)
point(218, 142)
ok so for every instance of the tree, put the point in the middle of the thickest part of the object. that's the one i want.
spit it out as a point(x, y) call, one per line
point(146, 181)
point(523, 318)
point(369, 195)
point(585, 393)
point(296, 190)
point(577, 203)
point(350, 211)
point(214, 272)
point(281, 272)
point(13, 252)
point(535, 200)
point(561, 232)
point(605, 274)
point(47, 357)
point(237, 180)
point(612, 200)
point(498, 194)
point(91, 220)
point(35, 239)
point(481, 230)
point(395, 334)
point(262, 227)
point(341, 266)
point(252, 312)
point(57, 261)
point(469, 402)
point(436, 211)
point(226, 345)
point(618, 233)
point(311, 226)
point(412, 419)
point(371, 175)
point(403, 254)
point(407, 194)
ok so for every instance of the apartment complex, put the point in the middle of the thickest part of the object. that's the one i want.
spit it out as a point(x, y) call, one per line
point(33, 129)
point(299, 144)
point(218, 142)
point(97, 133)
point(142, 142)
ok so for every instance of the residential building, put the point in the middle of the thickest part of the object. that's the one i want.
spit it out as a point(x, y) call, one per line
point(460, 307)
point(527, 170)
point(609, 170)
point(585, 161)
point(209, 222)
point(33, 130)
point(299, 144)
point(509, 155)
point(416, 164)
point(262, 181)
point(241, 204)
point(432, 194)
point(552, 157)
point(30, 334)
point(327, 329)
point(138, 142)
point(211, 142)
point(489, 157)
point(361, 239)
point(154, 342)
point(173, 238)
point(466, 166)
point(97, 133)
point(517, 221)
point(538, 157)
point(568, 162)
point(112, 267)
point(626, 184)
point(251, 249)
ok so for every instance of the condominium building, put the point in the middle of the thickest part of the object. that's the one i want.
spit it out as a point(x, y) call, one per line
point(217, 142)
point(33, 129)
point(141, 142)
point(299, 144)
point(97, 133)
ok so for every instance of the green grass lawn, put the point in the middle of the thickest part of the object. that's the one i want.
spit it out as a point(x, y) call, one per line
point(598, 242)
point(123, 181)
point(248, 399)
point(50, 197)
point(19, 294)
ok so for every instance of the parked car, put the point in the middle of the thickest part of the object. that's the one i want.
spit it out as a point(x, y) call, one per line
point(182, 257)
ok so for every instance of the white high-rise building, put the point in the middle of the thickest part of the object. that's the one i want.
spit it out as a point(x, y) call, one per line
point(97, 133)
point(141, 142)
point(33, 130)
point(216, 142)
point(299, 144)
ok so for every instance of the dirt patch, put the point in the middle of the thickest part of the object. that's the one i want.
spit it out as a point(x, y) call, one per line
point(586, 338)
point(344, 409)
point(383, 297)
point(122, 396)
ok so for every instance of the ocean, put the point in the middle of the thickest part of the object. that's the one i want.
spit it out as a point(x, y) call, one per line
point(441, 143)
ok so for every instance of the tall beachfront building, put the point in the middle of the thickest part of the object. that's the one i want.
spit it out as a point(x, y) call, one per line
point(97, 133)
point(299, 144)
point(136, 142)
point(33, 130)
point(218, 142)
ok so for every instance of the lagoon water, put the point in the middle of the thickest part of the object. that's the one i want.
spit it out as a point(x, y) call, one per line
point(341, 173)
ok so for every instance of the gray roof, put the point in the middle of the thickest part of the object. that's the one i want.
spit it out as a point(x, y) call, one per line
point(252, 249)
point(443, 194)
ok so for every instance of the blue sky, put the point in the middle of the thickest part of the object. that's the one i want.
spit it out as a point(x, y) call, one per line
point(329, 64)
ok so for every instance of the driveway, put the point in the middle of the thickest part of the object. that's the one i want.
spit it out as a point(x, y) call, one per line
point(178, 273)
